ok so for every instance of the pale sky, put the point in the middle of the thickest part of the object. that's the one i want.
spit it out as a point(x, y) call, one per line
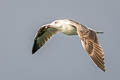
point(62, 57)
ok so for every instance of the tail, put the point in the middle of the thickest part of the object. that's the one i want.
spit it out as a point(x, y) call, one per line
point(99, 32)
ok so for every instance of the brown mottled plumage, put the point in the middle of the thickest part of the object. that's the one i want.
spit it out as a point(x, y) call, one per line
point(90, 44)
point(69, 27)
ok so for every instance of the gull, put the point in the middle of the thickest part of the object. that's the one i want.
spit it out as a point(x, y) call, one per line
point(69, 27)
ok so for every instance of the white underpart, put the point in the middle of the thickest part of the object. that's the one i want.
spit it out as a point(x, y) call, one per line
point(64, 27)
point(69, 30)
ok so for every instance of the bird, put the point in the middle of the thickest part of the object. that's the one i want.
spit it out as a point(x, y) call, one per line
point(70, 27)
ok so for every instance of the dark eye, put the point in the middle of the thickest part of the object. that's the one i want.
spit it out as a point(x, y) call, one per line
point(81, 31)
point(56, 22)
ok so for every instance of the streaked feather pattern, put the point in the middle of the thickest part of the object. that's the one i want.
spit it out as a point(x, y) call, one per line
point(42, 36)
point(93, 48)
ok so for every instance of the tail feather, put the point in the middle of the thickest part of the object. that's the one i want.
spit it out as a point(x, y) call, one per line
point(99, 32)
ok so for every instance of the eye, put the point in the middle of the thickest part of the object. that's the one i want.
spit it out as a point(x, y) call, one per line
point(56, 22)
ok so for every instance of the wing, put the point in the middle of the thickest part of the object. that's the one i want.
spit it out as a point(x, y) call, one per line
point(93, 48)
point(43, 35)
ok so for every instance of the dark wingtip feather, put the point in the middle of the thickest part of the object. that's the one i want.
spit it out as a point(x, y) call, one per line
point(35, 47)
point(104, 70)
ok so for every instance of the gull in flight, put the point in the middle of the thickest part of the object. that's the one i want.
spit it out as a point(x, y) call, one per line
point(69, 27)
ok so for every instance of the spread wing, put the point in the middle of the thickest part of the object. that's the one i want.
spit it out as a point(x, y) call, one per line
point(93, 48)
point(42, 36)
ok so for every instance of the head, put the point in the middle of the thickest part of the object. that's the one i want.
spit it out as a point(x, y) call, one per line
point(58, 23)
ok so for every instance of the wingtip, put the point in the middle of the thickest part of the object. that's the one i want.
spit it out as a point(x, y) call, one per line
point(33, 52)
point(35, 47)
point(103, 70)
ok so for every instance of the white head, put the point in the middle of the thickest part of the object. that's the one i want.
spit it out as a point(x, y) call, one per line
point(59, 23)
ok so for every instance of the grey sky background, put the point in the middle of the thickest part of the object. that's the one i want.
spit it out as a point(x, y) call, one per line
point(63, 57)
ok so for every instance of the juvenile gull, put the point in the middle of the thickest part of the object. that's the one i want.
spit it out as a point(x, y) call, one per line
point(69, 27)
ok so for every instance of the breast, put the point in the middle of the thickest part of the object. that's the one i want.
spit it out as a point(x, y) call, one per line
point(69, 30)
